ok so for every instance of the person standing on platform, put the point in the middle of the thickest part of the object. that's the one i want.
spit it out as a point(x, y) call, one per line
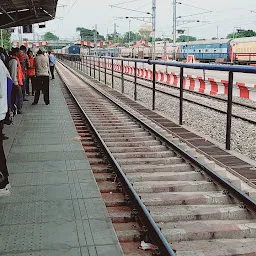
point(17, 78)
point(52, 61)
point(24, 62)
point(31, 72)
point(2, 55)
point(4, 182)
point(42, 77)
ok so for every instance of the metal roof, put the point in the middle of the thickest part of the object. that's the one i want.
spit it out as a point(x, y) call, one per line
point(23, 12)
point(244, 40)
point(216, 41)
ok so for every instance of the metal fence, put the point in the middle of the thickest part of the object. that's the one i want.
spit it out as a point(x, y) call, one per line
point(95, 64)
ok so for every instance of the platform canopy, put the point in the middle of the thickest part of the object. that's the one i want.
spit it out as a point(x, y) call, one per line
point(15, 13)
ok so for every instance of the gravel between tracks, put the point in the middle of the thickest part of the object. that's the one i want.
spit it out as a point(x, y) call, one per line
point(206, 121)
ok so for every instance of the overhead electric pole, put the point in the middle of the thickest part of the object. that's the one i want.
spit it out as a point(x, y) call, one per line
point(130, 39)
point(34, 34)
point(153, 28)
point(95, 39)
point(174, 24)
point(115, 32)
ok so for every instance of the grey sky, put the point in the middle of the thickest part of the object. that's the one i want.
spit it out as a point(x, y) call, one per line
point(226, 14)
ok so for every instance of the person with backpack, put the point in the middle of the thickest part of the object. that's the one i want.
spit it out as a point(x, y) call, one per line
point(17, 78)
point(4, 182)
point(2, 55)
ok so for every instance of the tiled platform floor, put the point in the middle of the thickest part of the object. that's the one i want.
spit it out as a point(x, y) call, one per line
point(55, 208)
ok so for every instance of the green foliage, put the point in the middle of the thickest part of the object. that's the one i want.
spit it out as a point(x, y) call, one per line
point(118, 38)
point(49, 36)
point(133, 37)
point(184, 38)
point(239, 34)
point(88, 34)
point(6, 38)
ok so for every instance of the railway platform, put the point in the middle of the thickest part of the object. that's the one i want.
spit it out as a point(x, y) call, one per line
point(55, 207)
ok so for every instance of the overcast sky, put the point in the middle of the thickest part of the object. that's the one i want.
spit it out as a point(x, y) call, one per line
point(226, 14)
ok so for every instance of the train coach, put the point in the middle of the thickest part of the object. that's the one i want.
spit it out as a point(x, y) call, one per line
point(238, 50)
point(106, 51)
point(73, 49)
point(205, 51)
point(244, 50)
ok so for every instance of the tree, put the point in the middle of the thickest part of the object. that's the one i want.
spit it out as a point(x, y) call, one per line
point(242, 33)
point(184, 38)
point(6, 38)
point(131, 36)
point(88, 34)
point(49, 36)
point(115, 38)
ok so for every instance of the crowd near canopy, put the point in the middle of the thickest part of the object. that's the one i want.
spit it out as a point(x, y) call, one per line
point(24, 12)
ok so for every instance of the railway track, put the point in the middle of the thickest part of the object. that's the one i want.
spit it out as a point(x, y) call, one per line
point(198, 212)
point(165, 89)
point(126, 225)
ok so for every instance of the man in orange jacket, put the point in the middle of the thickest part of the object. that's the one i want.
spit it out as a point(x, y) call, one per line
point(31, 73)
point(17, 78)
point(24, 62)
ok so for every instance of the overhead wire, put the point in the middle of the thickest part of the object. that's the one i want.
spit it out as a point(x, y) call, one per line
point(72, 6)
point(120, 3)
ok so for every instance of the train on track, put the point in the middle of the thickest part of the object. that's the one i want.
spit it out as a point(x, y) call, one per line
point(239, 51)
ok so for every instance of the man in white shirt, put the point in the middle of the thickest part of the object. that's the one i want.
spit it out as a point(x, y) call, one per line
point(4, 183)
point(42, 77)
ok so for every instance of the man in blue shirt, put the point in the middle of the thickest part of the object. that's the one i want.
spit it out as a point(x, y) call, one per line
point(52, 61)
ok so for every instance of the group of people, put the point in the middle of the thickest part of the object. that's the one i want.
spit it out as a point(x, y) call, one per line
point(21, 75)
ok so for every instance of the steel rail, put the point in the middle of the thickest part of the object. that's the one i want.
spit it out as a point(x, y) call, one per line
point(213, 97)
point(230, 189)
point(216, 67)
point(148, 221)
point(187, 99)
point(191, 66)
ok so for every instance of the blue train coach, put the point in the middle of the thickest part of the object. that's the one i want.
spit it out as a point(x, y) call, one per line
point(205, 51)
point(74, 49)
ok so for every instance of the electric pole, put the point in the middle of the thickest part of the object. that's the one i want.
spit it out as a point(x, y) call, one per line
point(130, 38)
point(115, 32)
point(34, 33)
point(165, 54)
point(95, 39)
point(174, 24)
point(153, 29)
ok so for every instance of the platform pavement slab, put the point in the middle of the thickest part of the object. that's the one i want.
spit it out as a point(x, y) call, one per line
point(55, 207)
